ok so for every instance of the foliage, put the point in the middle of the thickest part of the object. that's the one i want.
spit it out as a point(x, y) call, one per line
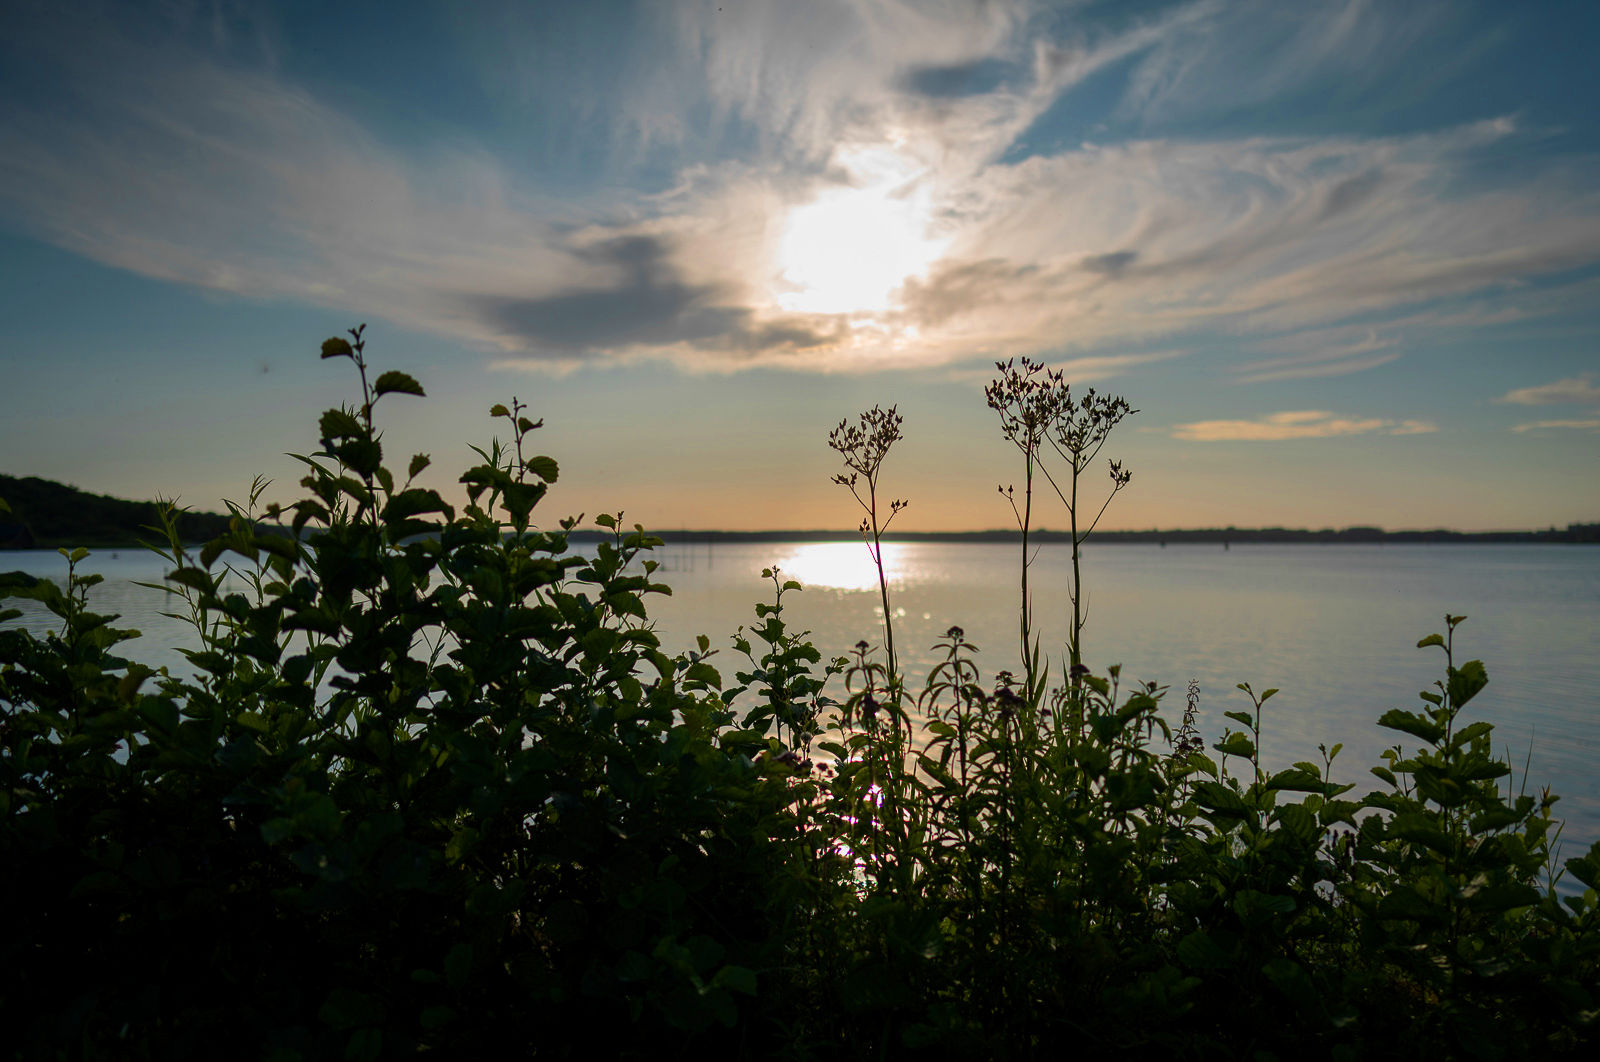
point(432, 784)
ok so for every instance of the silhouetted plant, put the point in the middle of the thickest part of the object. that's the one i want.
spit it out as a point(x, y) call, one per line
point(1078, 435)
point(1029, 405)
point(1036, 406)
point(863, 446)
point(793, 696)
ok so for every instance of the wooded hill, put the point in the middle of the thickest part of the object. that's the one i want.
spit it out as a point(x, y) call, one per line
point(45, 514)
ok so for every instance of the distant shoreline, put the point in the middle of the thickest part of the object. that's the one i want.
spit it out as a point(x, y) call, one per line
point(45, 515)
point(1573, 534)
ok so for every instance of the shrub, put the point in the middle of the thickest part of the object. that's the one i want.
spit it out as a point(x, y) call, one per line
point(432, 783)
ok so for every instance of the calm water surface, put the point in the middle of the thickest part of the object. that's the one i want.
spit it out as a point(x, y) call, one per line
point(1333, 627)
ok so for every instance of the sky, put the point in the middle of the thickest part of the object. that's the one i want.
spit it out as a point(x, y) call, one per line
point(1342, 257)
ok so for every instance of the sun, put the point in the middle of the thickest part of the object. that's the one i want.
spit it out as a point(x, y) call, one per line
point(849, 249)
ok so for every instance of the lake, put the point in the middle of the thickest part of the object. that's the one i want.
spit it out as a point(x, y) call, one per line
point(1334, 627)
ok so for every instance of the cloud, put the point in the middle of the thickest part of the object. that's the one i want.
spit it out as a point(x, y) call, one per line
point(1324, 352)
point(1111, 265)
point(646, 304)
point(210, 167)
point(1542, 425)
point(1574, 390)
point(1255, 53)
point(954, 80)
point(1298, 424)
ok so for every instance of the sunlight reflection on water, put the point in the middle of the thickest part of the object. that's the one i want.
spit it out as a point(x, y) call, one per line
point(845, 565)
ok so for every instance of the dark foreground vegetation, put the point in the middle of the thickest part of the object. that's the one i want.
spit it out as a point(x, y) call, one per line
point(433, 784)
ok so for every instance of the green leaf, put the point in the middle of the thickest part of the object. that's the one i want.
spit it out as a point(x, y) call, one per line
point(1503, 896)
point(254, 721)
point(337, 348)
point(544, 467)
point(278, 546)
point(1198, 951)
point(1466, 681)
point(1470, 733)
point(1432, 639)
point(21, 584)
point(193, 578)
point(159, 714)
point(409, 503)
point(1424, 830)
point(339, 424)
point(1299, 822)
point(1296, 779)
point(1413, 724)
point(1218, 798)
point(1236, 745)
point(700, 671)
point(1586, 868)
point(1250, 903)
point(395, 382)
point(362, 456)
point(418, 463)
point(1404, 904)
point(736, 979)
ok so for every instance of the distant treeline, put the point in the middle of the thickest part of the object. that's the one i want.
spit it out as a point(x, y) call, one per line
point(45, 514)
point(1589, 533)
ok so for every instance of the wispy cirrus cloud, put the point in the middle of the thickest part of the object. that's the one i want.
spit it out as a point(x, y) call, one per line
point(216, 171)
point(1576, 390)
point(1350, 43)
point(1327, 353)
point(1296, 424)
point(1591, 424)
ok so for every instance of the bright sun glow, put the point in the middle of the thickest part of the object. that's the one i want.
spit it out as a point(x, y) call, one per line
point(841, 565)
point(850, 248)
